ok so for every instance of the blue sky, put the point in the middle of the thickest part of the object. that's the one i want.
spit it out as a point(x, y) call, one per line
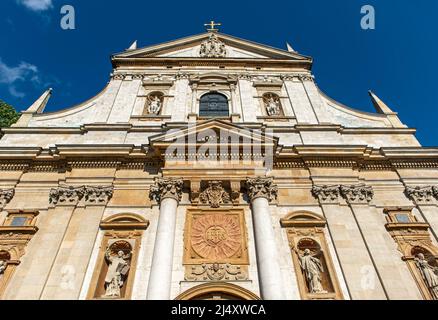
point(397, 60)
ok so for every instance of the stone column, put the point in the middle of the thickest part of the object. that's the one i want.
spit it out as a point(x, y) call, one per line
point(261, 191)
point(168, 193)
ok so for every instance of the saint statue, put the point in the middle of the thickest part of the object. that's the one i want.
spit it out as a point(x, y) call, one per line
point(154, 105)
point(312, 268)
point(118, 268)
point(3, 266)
point(429, 274)
point(273, 106)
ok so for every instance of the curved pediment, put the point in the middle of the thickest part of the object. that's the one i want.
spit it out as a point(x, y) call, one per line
point(303, 219)
point(124, 221)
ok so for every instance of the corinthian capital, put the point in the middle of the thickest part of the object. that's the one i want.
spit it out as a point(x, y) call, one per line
point(261, 188)
point(98, 195)
point(420, 194)
point(66, 195)
point(357, 194)
point(5, 196)
point(435, 191)
point(327, 194)
point(166, 188)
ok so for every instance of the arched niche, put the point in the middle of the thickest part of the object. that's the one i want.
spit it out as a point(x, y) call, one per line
point(305, 231)
point(121, 232)
point(217, 291)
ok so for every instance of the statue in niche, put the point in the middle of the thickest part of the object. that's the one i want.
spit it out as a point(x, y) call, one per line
point(155, 102)
point(118, 268)
point(272, 105)
point(429, 274)
point(312, 268)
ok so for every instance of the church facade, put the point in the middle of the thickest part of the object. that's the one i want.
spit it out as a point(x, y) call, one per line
point(213, 167)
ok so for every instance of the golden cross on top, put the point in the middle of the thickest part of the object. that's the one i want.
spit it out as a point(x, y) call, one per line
point(212, 26)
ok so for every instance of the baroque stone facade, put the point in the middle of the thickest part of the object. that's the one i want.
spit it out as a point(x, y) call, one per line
point(214, 167)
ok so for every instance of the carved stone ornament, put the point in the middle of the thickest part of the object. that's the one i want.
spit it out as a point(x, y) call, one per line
point(166, 188)
point(435, 191)
point(214, 195)
point(212, 48)
point(154, 103)
point(327, 194)
point(66, 195)
point(6, 196)
point(98, 195)
point(359, 194)
point(216, 236)
point(215, 272)
point(420, 194)
point(262, 188)
point(272, 104)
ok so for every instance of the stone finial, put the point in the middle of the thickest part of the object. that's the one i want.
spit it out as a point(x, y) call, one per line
point(420, 194)
point(380, 106)
point(166, 188)
point(289, 47)
point(215, 194)
point(357, 194)
point(6, 196)
point(98, 195)
point(133, 46)
point(261, 188)
point(327, 194)
point(39, 105)
point(66, 195)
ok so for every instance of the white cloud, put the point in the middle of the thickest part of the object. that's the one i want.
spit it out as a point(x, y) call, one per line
point(11, 75)
point(36, 5)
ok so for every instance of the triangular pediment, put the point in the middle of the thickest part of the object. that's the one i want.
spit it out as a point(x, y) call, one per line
point(216, 134)
point(190, 48)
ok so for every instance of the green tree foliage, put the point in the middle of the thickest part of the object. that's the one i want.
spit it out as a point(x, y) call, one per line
point(8, 115)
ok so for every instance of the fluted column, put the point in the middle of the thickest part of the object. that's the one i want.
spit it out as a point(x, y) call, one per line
point(261, 191)
point(167, 192)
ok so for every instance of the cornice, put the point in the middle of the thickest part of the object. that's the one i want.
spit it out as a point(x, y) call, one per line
point(178, 61)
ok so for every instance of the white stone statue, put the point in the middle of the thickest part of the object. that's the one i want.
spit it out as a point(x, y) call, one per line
point(117, 270)
point(312, 268)
point(273, 106)
point(3, 266)
point(429, 274)
point(154, 106)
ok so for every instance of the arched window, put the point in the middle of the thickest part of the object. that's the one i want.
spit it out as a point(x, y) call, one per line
point(213, 104)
